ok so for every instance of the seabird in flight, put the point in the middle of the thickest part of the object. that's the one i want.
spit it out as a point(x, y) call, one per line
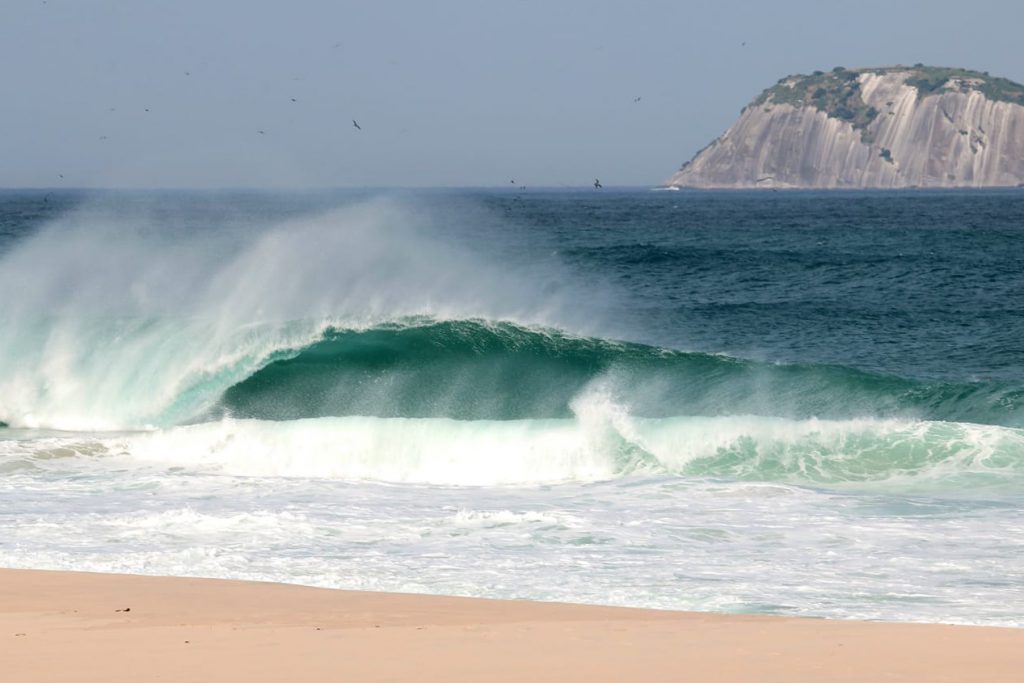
point(597, 184)
point(358, 127)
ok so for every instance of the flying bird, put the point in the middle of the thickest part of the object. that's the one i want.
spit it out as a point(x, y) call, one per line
point(597, 184)
point(636, 99)
point(358, 127)
point(261, 132)
point(294, 100)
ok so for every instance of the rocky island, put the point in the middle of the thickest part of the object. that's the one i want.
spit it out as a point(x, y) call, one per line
point(891, 127)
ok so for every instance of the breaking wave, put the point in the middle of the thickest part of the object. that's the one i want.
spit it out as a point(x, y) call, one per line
point(358, 344)
point(600, 442)
point(466, 370)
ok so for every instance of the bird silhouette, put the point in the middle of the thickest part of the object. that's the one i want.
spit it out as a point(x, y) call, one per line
point(358, 127)
point(636, 99)
point(597, 184)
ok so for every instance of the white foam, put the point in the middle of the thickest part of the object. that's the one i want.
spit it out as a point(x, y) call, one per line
point(117, 321)
point(475, 519)
point(661, 542)
point(429, 451)
point(601, 443)
point(161, 503)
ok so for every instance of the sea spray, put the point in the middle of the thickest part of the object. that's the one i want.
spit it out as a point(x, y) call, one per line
point(124, 321)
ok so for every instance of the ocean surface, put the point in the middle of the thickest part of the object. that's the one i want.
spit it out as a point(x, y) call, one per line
point(796, 403)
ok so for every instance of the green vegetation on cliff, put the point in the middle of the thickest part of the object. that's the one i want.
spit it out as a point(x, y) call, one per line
point(837, 92)
point(934, 79)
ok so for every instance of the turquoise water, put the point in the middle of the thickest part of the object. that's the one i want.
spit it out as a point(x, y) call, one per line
point(799, 403)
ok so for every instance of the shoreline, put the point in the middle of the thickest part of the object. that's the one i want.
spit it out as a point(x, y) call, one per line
point(58, 625)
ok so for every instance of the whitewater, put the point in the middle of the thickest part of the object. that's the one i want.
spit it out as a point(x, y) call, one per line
point(806, 404)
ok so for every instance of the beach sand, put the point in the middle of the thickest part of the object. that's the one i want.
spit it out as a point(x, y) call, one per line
point(70, 626)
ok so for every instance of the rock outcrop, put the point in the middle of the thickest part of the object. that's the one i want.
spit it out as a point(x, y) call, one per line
point(871, 128)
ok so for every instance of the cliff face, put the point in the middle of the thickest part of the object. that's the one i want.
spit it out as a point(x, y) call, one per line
point(883, 128)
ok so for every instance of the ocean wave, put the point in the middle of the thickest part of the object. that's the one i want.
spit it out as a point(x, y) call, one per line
point(473, 369)
point(122, 320)
point(601, 442)
point(127, 318)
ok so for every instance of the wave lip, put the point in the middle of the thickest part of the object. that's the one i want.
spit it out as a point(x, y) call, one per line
point(472, 369)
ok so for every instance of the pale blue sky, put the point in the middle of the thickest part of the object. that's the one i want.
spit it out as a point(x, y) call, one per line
point(451, 92)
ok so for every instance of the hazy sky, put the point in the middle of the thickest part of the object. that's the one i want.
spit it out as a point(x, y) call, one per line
point(448, 92)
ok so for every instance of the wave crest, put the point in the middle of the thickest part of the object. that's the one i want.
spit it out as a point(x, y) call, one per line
point(473, 370)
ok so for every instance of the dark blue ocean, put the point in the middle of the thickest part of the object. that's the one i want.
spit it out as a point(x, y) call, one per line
point(784, 402)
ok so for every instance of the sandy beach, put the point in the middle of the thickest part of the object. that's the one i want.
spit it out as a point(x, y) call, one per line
point(96, 627)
